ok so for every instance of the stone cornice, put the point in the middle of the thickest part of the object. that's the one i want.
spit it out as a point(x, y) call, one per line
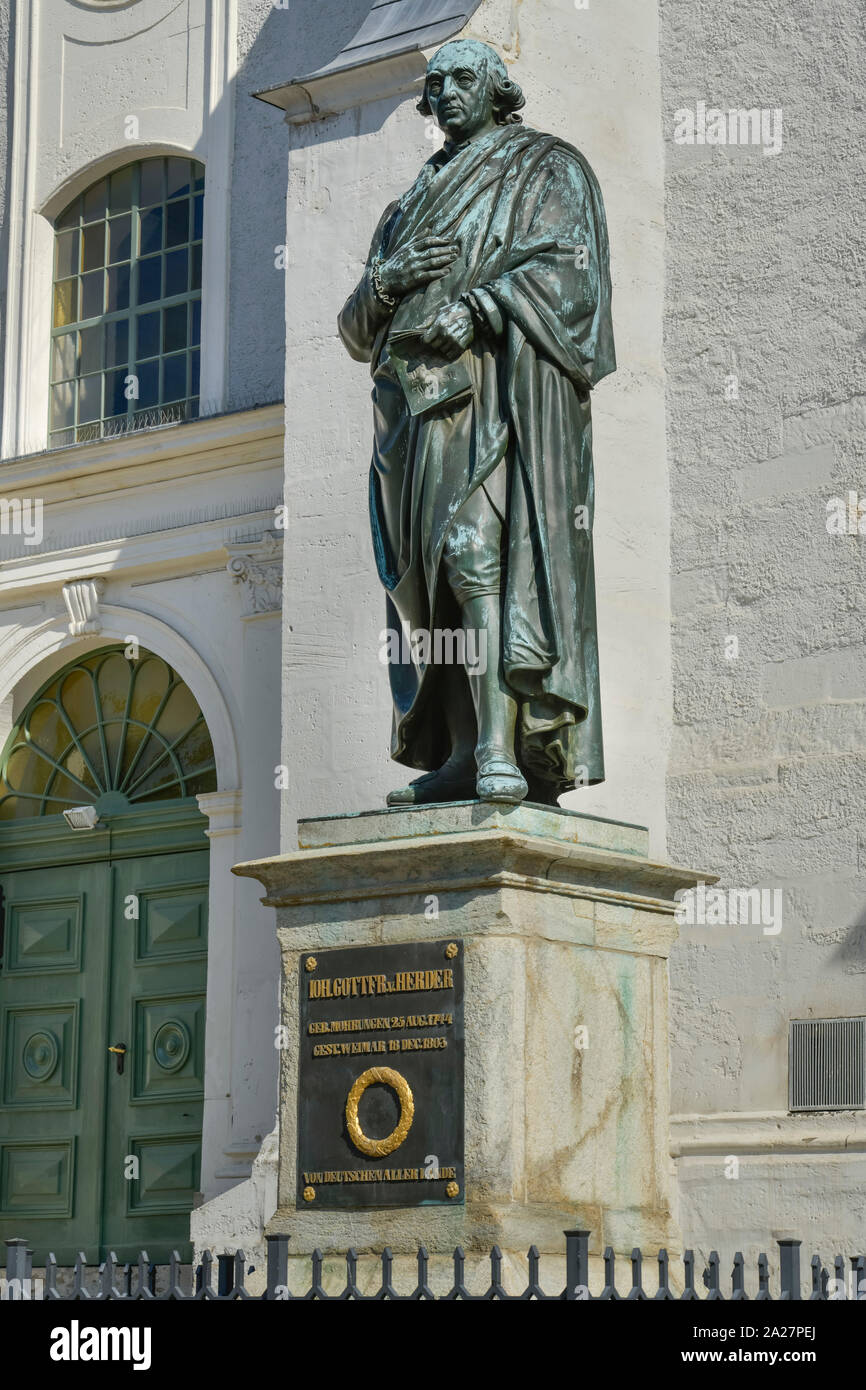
point(200, 544)
point(768, 1133)
point(144, 457)
point(464, 862)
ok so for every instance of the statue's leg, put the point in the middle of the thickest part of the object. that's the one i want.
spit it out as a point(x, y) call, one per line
point(459, 719)
point(473, 565)
point(455, 779)
point(499, 777)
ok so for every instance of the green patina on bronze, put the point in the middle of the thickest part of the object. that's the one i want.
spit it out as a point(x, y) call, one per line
point(496, 263)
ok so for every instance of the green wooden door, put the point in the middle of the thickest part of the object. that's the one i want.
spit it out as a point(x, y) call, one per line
point(105, 947)
point(157, 1011)
point(53, 987)
point(98, 953)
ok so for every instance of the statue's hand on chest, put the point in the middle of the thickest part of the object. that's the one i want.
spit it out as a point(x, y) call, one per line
point(417, 264)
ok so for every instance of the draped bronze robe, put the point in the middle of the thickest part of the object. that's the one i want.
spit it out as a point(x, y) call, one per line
point(520, 204)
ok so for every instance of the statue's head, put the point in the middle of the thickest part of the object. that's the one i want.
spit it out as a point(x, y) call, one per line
point(467, 90)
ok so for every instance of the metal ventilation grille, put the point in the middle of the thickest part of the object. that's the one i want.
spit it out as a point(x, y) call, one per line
point(827, 1064)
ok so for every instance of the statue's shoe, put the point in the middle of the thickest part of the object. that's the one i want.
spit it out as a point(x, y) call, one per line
point(445, 784)
point(500, 780)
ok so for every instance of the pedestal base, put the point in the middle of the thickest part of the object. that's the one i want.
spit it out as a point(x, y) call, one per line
point(564, 926)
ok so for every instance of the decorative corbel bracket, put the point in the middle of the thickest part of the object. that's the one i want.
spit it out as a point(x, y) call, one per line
point(258, 567)
point(82, 598)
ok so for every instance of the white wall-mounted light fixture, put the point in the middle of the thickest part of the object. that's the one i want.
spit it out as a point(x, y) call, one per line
point(82, 818)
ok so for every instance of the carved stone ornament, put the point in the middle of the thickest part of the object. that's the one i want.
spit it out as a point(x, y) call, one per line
point(82, 598)
point(258, 566)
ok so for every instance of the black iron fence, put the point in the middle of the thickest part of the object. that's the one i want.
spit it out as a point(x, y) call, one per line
point(145, 1281)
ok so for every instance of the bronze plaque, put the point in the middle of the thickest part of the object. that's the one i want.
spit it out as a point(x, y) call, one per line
point(380, 1093)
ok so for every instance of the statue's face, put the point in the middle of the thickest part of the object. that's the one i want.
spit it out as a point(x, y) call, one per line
point(459, 94)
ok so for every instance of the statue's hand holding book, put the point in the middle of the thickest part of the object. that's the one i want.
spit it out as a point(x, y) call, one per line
point(428, 375)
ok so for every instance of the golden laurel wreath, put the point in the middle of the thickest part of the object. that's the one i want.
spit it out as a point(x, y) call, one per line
point(378, 1148)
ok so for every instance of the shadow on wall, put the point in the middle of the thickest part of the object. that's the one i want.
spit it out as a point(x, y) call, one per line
point(275, 44)
point(851, 952)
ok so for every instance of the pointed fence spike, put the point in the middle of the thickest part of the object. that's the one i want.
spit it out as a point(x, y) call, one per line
point(664, 1289)
point(459, 1289)
point(497, 1289)
point(386, 1287)
point(738, 1277)
point(534, 1289)
point(174, 1289)
point(316, 1288)
point(713, 1276)
point(636, 1290)
point(609, 1290)
point(205, 1275)
point(107, 1271)
point(352, 1289)
point(423, 1289)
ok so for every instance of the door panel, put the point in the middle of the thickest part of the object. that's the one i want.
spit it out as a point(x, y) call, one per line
point(158, 1001)
point(96, 955)
point(53, 987)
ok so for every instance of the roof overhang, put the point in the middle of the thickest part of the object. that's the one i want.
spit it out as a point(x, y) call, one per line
point(384, 58)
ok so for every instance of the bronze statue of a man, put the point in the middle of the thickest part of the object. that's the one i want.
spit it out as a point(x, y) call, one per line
point(484, 309)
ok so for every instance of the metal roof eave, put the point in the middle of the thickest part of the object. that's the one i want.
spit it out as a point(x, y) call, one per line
point(393, 29)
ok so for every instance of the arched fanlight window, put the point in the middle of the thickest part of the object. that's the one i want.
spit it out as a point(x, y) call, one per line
point(126, 327)
point(109, 732)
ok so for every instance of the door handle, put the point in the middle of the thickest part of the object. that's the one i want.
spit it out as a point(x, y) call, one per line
point(119, 1051)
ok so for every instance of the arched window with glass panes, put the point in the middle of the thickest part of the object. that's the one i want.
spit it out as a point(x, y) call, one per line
point(126, 327)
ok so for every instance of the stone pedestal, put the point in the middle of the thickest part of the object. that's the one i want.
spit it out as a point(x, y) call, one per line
point(565, 927)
